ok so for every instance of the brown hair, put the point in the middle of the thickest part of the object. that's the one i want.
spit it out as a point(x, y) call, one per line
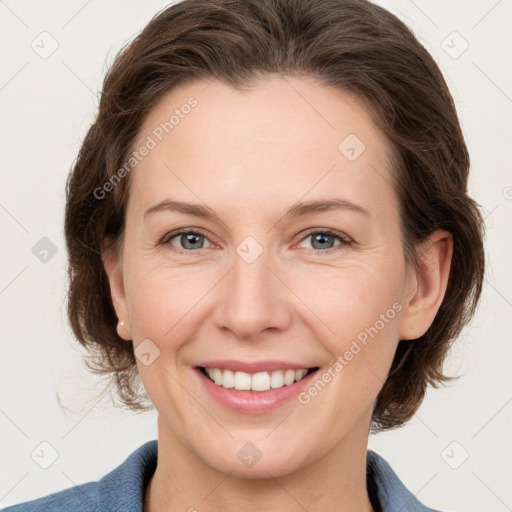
point(353, 45)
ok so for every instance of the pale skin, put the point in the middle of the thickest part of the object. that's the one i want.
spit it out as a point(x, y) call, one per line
point(249, 157)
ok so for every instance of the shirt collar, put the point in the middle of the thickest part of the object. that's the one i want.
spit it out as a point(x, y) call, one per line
point(123, 488)
point(388, 489)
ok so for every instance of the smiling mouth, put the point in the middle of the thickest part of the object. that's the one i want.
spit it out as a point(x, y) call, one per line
point(259, 382)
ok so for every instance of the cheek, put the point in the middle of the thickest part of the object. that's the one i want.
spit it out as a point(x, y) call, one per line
point(164, 307)
point(162, 300)
point(347, 300)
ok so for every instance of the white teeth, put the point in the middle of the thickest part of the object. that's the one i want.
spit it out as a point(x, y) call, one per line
point(262, 381)
point(217, 376)
point(276, 380)
point(242, 381)
point(289, 377)
point(228, 379)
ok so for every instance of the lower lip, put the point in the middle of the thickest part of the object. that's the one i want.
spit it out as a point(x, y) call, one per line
point(254, 401)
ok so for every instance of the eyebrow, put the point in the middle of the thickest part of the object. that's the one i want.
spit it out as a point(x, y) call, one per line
point(198, 210)
point(299, 209)
point(305, 208)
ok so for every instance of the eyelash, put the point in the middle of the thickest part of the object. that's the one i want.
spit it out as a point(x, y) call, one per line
point(345, 241)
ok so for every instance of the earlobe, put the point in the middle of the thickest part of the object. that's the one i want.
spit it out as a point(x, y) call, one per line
point(426, 285)
point(115, 278)
point(123, 330)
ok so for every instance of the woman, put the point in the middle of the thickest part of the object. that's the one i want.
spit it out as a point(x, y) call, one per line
point(268, 225)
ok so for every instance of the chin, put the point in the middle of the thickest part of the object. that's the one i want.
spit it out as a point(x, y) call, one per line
point(263, 468)
point(256, 460)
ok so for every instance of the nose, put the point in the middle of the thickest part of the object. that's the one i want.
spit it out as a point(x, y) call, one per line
point(253, 298)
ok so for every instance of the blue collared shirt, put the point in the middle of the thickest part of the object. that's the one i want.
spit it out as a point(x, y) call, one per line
point(122, 490)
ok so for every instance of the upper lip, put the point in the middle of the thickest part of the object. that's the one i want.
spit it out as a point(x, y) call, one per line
point(253, 366)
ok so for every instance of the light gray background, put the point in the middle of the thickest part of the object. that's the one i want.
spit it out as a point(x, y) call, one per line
point(47, 105)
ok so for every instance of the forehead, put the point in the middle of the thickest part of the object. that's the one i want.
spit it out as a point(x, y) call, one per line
point(280, 140)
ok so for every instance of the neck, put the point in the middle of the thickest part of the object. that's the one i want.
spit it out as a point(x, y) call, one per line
point(335, 481)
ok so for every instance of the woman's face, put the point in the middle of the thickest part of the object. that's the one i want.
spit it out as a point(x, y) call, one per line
point(260, 280)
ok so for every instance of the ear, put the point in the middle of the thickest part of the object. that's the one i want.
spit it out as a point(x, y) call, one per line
point(426, 285)
point(114, 273)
